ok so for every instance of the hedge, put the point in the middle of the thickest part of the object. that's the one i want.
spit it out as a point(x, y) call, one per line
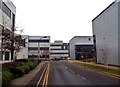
point(18, 68)
point(6, 77)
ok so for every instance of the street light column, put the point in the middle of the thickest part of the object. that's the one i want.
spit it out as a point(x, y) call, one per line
point(38, 51)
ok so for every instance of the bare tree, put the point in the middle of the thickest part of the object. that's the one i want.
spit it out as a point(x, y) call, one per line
point(10, 41)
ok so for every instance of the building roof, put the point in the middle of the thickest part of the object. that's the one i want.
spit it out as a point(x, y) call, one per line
point(79, 37)
point(104, 10)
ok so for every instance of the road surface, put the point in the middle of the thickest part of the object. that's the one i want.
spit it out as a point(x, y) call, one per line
point(64, 73)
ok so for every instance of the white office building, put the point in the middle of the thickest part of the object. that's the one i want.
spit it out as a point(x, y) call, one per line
point(38, 46)
point(80, 44)
point(58, 49)
point(7, 24)
point(106, 29)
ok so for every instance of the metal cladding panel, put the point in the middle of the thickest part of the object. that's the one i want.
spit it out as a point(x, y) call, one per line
point(59, 55)
point(59, 51)
point(55, 47)
point(105, 28)
point(41, 45)
point(39, 37)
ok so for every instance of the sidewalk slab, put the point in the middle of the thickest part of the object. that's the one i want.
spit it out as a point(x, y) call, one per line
point(25, 79)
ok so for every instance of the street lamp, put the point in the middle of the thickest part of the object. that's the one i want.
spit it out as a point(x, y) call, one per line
point(39, 48)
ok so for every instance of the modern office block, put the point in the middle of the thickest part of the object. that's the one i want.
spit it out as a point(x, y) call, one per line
point(38, 46)
point(59, 50)
point(81, 47)
point(7, 24)
point(106, 29)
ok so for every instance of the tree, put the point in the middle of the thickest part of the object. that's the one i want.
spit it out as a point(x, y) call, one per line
point(10, 40)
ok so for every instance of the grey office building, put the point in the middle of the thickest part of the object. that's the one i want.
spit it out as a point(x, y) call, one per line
point(38, 46)
point(7, 24)
point(106, 29)
point(81, 47)
point(59, 50)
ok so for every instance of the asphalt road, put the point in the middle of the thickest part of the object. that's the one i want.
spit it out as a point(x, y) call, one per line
point(64, 73)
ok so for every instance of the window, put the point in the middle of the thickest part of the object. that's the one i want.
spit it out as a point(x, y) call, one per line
point(60, 53)
point(0, 4)
point(36, 41)
point(89, 39)
point(6, 55)
point(13, 21)
point(6, 10)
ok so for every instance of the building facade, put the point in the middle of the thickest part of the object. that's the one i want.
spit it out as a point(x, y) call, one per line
point(59, 50)
point(7, 24)
point(38, 46)
point(23, 53)
point(106, 29)
point(81, 47)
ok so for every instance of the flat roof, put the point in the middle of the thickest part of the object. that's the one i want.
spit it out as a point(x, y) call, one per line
point(80, 36)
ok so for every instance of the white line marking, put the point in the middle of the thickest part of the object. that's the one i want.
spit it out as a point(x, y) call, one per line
point(71, 71)
point(66, 67)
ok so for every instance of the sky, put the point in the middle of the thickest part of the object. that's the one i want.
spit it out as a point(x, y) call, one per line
point(60, 19)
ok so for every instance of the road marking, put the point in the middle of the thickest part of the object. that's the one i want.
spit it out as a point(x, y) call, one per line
point(66, 67)
point(40, 78)
point(47, 74)
point(71, 71)
point(77, 74)
point(45, 80)
point(83, 78)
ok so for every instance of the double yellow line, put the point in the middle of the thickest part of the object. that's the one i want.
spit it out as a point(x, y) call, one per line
point(45, 80)
point(44, 76)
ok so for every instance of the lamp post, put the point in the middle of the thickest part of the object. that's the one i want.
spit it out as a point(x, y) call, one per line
point(39, 49)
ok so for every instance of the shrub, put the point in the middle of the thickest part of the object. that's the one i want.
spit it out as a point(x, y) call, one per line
point(26, 68)
point(31, 65)
point(21, 60)
point(19, 64)
point(6, 77)
point(17, 71)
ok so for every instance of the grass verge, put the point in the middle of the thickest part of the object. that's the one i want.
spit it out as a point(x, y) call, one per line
point(98, 68)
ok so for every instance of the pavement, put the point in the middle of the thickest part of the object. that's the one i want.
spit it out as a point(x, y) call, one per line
point(25, 79)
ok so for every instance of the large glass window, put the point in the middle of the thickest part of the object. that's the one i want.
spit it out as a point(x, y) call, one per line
point(6, 10)
point(0, 4)
point(42, 41)
point(6, 55)
point(13, 21)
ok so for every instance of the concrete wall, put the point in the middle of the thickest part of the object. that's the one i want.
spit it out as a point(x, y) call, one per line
point(4, 19)
point(105, 28)
point(6, 22)
point(79, 40)
point(23, 53)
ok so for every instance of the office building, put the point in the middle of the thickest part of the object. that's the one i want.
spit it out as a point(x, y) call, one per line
point(38, 46)
point(106, 30)
point(59, 50)
point(81, 47)
point(7, 24)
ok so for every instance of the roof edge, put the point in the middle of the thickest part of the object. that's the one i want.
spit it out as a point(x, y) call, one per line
point(104, 10)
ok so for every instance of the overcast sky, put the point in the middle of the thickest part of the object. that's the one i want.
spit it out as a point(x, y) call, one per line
point(60, 19)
